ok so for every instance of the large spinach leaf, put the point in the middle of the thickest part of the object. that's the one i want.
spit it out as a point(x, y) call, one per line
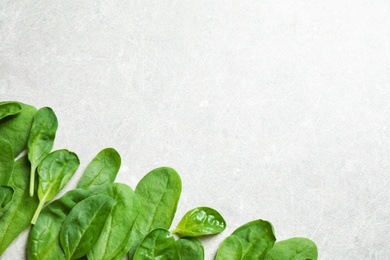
point(21, 210)
point(297, 248)
point(44, 237)
point(82, 227)
point(159, 192)
point(8, 108)
point(101, 171)
point(190, 248)
point(41, 139)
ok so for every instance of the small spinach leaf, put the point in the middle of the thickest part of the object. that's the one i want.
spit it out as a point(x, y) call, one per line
point(190, 248)
point(159, 193)
point(44, 237)
point(41, 139)
point(257, 238)
point(200, 221)
point(114, 241)
point(297, 248)
point(9, 108)
point(231, 248)
point(6, 161)
point(16, 128)
point(82, 227)
point(21, 210)
point(54, 172)
point(101, 171)
point(158, 244)
point(6, 195)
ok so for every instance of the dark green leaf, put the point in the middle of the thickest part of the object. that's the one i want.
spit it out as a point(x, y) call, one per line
point(101, 171)
point(44, 238)
point(257, 238)
point(158, 244)
point(41, 140)
point(231, 248)
point(82, 227)
point(297, 248)
point(6, 161)
point(54, 172)
point(159, 193)
point(21, 210)
point(200, 221)
point(9, 108)
point(114, 241)
point(190, 248)
point(16, 128)
point(6, 195)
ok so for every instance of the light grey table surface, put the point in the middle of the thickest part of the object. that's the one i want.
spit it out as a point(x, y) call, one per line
point(278, 110)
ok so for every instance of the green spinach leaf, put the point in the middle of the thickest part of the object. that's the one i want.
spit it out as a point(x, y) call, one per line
point(257, 238)
point(231, 248)
point(8, 108)
point(158, 244)
point(82, 227)
point(114, 241)
point(16, 128)
point(21, 210)
point(159, 192)
point(101, 171)
point(297, 248)
point(41, 140)
point(200, 221)
point(44, 237)
point(190, 248)
point(6, 195)
point(54, 172)
point(6, 161)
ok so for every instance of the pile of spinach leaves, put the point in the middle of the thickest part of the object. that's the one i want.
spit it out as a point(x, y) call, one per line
point(102, 219)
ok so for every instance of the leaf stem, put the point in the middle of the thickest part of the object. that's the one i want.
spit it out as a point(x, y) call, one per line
point(38, 211)
point(32, 180)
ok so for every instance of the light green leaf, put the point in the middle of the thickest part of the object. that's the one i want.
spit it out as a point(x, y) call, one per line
point(157, 245)
point(297, 248)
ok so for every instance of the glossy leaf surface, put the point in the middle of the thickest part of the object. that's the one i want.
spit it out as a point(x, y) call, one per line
point(6, 161)
point(21, 210)
point(190, 248)
point(16, 128)
point(159, 192)
point(231, 248)
point(200, 221)
point(257, 238)
point(41, 139)
point(114, 241)
point(296, 248)
point(54, 172)
point(158, 244)
point(101, 171)
point(6, 195)
point(44, 237)
point(9, 108)
point(82, 227)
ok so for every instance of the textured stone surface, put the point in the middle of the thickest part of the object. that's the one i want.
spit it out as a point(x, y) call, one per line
point(277, 110)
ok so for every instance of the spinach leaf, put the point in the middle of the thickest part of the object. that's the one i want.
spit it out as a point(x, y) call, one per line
point(16, 128)
point(54, 172)
point(158, 244)
point(101, 171)
point(231, 248)
point(6, 161)
point(41, 140)
point(21, 210)
point(257, 238)
point(44, 237)
point(190, 248)
point(200, 221)
point(297, 248)
point(6, 195)
point(159, 193)
point(114, 241)
point(82, 227)
point(9, 108)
